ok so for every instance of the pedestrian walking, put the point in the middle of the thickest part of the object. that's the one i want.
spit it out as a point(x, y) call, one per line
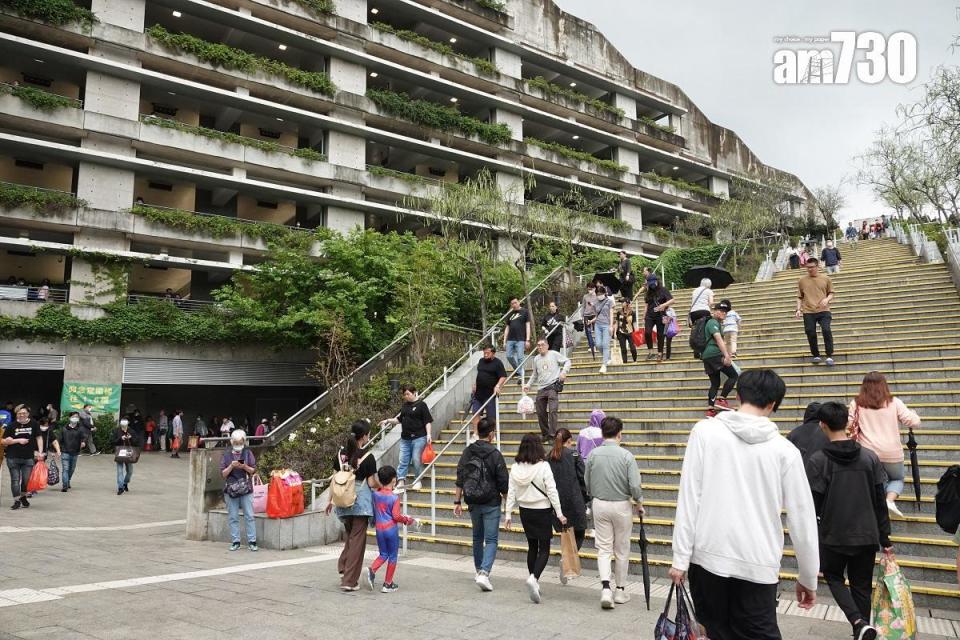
point(731, 328)
point(552, 327)
point(830, 256)
point(701, 301)
point(22, 448)
point(625, 275)
point(658, 300)
point(716, 360)
point(516, 335)
point(612, 480)
point(87, 429)
point(588, 306)
point(261, 428)
point(177, 433)
point(793, 257)
point(601, 324)
point(49, 443)
point(590, 437)
point(568, 474)
point(626, 325)
point(491, 376)
point(125, 437)
point(151, 430)
point(814, 295)
point(52, 415)
point(387, 517)
point(875, 419)
point(482, 482)
point(237, 466)
point(532, 488)
point(550, 371)
point(847, 482)
point(851, 233)
point(163, 429)
point(738, 475)
point(356, 518)
point(809, 437)
point(71, 442)
point(416, 426)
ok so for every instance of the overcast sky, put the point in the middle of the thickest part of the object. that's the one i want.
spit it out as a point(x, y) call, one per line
point(721, 55)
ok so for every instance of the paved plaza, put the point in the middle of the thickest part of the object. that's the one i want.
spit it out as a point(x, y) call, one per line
point(91, 564)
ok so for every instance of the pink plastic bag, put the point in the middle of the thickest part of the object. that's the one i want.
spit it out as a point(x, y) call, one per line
point(259, 495)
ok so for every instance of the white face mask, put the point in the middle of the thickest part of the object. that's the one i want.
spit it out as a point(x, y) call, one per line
point(238, 447)
point(124, 423)
point(74, 420)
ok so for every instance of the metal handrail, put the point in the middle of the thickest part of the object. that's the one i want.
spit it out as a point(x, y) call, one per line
point(220, 215)
point(184, 304)
point(77, 102)
point(54, 294)
point(30, 186)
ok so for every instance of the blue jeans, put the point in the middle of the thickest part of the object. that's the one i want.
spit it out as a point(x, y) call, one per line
point(124, 473)
point(411, 448)
point(516, 351)
point(69, 461)
point(603, 342)
point(234, 505)
point(486, 532)
point(895, 475)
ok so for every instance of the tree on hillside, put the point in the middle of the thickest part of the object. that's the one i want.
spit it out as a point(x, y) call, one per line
point(754, 210)
point(830, 199)
point(423, 299)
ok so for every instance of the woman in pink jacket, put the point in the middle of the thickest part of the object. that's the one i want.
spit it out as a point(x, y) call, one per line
point(875, 419)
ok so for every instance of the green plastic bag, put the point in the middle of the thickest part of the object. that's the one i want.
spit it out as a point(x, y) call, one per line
point(892, 613)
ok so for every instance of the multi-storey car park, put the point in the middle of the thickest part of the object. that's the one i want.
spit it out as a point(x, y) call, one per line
point(308, 113)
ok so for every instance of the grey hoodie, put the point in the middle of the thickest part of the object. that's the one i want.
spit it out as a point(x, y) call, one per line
point(738, 474)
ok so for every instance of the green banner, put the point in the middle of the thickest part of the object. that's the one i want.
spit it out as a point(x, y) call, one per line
point(104, 398)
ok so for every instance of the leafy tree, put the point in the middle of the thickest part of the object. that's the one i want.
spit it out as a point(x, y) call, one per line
point(423, 297)
point(830, 200)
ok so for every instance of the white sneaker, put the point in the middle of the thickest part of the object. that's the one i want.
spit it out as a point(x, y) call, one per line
point(603, 368)
point(416, 486)
point(483, 581)
point(892, 508)
point(399, 488)
point(606, 599)
point(621, 597)
point(533, 588)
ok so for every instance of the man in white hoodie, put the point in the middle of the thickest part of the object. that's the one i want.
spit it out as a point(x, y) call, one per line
point(738, 474)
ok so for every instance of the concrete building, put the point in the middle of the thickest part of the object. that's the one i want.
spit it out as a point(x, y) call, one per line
point(308, 113)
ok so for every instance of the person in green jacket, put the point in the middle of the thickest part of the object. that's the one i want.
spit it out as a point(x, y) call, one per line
point(717, 359)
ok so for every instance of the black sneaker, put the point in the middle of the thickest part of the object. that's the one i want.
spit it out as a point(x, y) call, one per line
point(389, 588)
point(120, 491)
point(863, 631)
point(126, 488)
point(15, 505)
point(24, 502)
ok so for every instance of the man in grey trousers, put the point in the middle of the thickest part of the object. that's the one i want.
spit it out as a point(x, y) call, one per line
point(549, 368)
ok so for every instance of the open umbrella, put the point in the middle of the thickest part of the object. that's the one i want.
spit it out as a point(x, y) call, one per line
point(609, 280)
point(914, 465)
point(720, 278)
point(645, 563)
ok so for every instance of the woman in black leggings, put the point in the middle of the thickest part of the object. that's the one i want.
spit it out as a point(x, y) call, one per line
point(658, 301)
point(533, 489)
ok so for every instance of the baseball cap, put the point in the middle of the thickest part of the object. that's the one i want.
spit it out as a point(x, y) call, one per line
point(722, 306)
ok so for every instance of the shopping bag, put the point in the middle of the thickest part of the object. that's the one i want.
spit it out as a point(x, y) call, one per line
point(672, 329)
point(193, 442)
point(428, 455)
point(683, 626)
point(278, 498)
point(38, 478)
point(569, 556)
point(259, 495)
point(892, 612)
point(638, 338)
point(525, 405)
point(53, 474)
point(175, 446)
point(126, 454)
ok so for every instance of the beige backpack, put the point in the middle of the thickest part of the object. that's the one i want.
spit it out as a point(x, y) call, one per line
point(343, 490)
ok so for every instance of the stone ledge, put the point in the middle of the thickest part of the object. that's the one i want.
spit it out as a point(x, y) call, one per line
point(308, 529)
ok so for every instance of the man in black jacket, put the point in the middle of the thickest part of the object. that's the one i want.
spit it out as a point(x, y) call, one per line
point(847, 483)
point(71, 441)
point(482, 481)
point(809, 437)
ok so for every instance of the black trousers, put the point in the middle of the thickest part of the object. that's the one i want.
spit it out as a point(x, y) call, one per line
point(810, 322)
point(626, 290)
point(696, 315)
point(858, 563)
point(650, 321)
point(625, 339)
point(734, 609)
point(713, 368)
point(538, 528)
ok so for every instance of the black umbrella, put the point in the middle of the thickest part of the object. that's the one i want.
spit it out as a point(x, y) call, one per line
point(609, 280)
point(645, 563)
point(588, 330)
point(914, 465)
point(719, 277)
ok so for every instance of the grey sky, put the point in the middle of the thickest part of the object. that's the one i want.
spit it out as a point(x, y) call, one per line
point(721, 55)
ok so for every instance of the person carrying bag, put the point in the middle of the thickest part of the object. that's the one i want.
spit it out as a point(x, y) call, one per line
point(127, 452)
point(238, 466)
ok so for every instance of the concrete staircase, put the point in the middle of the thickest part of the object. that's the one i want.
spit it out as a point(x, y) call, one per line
point(891, 314)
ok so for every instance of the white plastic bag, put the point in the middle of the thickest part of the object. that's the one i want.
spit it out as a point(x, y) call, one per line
point(525, 405)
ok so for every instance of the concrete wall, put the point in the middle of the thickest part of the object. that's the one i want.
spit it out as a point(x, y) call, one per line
point(249, 209)
point(33, 268)
point(182, 196)
point(51, 176)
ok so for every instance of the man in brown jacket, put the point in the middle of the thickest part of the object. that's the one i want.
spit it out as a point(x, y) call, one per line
point(814, 295)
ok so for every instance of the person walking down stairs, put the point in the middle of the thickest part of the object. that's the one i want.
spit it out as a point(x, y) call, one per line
point(716, 360)
point(550, 370)
point(658, 300)
point(875, 419)
point(814, 295)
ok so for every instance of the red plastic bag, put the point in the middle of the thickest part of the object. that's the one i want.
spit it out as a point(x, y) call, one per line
point(284, 500)
point(428, 455)
point(38, 477)
point(638, 338)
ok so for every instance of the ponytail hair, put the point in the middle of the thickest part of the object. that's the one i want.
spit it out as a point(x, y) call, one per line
point(352, 450)
point(563, 436)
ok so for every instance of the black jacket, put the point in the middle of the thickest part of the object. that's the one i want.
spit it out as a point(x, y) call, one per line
point(808, 437)
point(568, 476)
point(71, 440)
point(119, 440)
point(847, 481)
point(492, 460)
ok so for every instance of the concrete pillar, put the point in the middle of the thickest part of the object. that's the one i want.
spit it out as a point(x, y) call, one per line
point(92, 282)
point(630, 212)
point(676, 121)
point(355, 10)
point(235, 256)
point(507, 62)
point(346, 150)
point(341, 218)
point(628, 158)
point(512, 120)
point(348, 76)
point(627, 103)
point(511, 186)
point(121, 13)
point(506, 251)
point(720, 186)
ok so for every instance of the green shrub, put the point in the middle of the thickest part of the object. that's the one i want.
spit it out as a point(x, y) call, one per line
point(55, 12)
point(494, 5)
point(656, 125)
point(392, 173)
point(41, 201)
point(322, 7)
point(680, 184)
point(552, 89)
point(220, 55)
point(482, 65)
point(222, 226)
point(106, 426)
point(575, 154)
point(440, 117)
point(40, 99)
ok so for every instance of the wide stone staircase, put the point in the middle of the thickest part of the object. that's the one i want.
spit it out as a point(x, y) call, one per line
point(891, 314)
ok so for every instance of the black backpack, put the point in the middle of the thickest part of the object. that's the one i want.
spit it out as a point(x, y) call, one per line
point(698, 337)
point(479, 486)
point(948, 500)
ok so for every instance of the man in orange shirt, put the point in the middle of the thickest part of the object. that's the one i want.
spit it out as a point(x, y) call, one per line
point(814, 295)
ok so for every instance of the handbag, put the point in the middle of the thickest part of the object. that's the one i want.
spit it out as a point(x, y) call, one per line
point(578, 326)
point(428, 455)
point(236, 487)
point(53, 474)
point(892, 610)
point(126, 454)
point(259, 495)
point(683, 626)
point(672, 328)
point(638, 338)
point(569, 556)
point(193, 442)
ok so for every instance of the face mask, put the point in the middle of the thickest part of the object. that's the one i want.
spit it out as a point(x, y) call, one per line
point(124, 423)
point(238, 448)
point(44, 427)
point(74, 420)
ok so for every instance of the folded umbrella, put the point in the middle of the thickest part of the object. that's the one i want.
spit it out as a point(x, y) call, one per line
point(914, 465)
point(645, 563)
point(720, 278)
